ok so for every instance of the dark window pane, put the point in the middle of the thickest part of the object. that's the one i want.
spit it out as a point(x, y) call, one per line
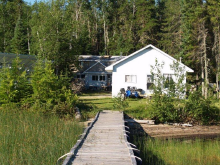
point(95, 78)
point(102, 78)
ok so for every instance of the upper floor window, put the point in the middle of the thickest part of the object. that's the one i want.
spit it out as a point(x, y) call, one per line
point(130, 78)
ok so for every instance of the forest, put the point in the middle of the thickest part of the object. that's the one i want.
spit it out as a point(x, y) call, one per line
point(60, 30)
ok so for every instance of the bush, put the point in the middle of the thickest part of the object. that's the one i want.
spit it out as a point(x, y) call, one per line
point(162, 109)
point(14, 85)
point(199, 109)
point(41, 91)
point(120, 102)
point(170, 106)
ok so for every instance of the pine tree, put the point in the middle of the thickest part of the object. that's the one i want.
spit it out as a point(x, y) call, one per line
point(214, 12)
point(146, 22)
point(14, 86)
point(171, 34)
point(19, 41)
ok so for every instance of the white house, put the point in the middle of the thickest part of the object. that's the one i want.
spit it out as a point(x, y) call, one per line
point(135, 70)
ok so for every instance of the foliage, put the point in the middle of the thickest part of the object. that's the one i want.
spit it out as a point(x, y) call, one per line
point(172, 151)
point(199, 109)
point(41, 90)
point(14, 85)
point(62, 30)
point(161, 106)
point(120, 102)
point(50, 92)
point(33, 138)
point(170, 105)
point(19, 43)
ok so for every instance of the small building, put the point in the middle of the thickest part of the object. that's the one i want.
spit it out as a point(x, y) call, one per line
point(92, 71)
point(135, 70)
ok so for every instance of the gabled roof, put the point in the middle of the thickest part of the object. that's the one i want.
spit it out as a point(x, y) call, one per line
point(110, 68)
point(97, 67)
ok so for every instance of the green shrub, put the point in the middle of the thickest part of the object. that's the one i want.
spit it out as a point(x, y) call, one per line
point(199, 109)
point(170, 105)
point(120, 103)
point(41, 90)
point(14, 85)
point(161, 106)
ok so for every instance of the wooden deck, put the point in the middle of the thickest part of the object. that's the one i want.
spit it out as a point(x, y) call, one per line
point(104, 142)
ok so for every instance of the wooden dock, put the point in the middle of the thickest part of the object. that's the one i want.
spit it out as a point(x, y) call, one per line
point(104, 142)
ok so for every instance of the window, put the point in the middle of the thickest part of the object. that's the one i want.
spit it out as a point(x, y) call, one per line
point(101, 78)
point(130, 78)
point(150, 82)
point(168, 80)
point(94, 78)
point(81, 76)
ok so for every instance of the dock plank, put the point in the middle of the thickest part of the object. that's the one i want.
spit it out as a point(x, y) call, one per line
point(105, 143)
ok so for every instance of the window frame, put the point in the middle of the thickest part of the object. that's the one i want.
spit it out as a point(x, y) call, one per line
point(130, 78)
point(95, 78)
point(101, 78)
point(150, 83)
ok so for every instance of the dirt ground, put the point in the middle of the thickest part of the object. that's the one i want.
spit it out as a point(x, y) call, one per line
point(166, 131)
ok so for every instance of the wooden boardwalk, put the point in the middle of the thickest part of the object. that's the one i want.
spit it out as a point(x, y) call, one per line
point(104, 142)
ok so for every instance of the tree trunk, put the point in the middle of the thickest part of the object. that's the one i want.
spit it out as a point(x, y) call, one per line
point(41, 48)
point(202, 77)
point(204, 35)
point(203, 57)
point(216, 51)
point(105, 39)
point(134, 8)
point(28, 35)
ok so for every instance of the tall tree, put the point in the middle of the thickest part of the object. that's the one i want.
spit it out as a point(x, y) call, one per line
point(19, 41)
point(146, 22)
point(171, 32)
point(214, 12)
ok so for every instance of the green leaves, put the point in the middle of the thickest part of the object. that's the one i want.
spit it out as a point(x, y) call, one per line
point(120, 102)
point(14, 85)
point(41, 90)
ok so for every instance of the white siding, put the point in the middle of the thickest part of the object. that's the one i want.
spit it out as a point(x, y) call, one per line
point(139, 65)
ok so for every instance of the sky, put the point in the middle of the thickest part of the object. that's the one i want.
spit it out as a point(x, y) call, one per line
point(31, 1)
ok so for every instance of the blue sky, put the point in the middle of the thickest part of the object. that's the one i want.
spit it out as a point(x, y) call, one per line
point(31, 1)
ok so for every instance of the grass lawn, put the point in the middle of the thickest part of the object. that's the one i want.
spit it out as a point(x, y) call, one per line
point(31, 138)
point(136, 109)
point(95, 93)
